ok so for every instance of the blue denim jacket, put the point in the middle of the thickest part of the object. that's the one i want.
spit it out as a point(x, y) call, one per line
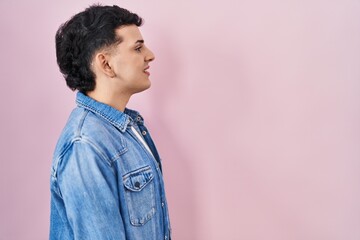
point(104, 183)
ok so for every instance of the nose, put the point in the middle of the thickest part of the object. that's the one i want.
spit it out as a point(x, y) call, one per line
point(149, 56)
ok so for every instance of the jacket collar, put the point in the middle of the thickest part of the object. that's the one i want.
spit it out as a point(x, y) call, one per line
point(117, 118)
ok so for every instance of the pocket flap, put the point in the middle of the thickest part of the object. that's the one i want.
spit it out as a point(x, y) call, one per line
point(136, 180)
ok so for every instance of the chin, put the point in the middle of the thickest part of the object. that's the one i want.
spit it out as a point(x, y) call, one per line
point(143, 88)
point(148, 85)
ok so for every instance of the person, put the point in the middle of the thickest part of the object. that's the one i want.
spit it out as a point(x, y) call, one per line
point(106, 176)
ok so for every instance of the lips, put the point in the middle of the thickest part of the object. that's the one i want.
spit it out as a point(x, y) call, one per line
point(148, 73)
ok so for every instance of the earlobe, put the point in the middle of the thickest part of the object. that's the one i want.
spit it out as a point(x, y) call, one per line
point(103, 63)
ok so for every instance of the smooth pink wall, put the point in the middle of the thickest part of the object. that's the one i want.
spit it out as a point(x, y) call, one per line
point(255, 108)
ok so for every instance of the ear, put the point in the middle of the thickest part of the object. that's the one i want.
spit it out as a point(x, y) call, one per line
point(101, 61)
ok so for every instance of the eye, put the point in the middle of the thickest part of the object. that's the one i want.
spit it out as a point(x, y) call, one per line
point(138, 49)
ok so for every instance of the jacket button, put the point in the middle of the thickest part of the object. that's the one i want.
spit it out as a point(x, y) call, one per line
point(137, 184)
point(144, 133)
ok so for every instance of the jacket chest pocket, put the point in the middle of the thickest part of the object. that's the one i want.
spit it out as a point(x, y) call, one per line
point(139, 192)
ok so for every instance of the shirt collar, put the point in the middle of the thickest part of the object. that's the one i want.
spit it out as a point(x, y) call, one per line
point(117, 118)
point(134, 116)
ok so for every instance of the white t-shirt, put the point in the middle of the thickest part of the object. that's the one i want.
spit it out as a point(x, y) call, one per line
point(141, 139)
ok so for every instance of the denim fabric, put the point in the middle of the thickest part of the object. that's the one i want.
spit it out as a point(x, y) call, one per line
point(104, 183)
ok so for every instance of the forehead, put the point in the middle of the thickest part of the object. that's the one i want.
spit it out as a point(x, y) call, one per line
point(129, 34)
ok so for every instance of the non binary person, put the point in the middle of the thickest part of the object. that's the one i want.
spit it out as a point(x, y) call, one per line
point(106, 175)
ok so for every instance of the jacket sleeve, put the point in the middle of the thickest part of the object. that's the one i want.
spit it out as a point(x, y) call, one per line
point(88, 186)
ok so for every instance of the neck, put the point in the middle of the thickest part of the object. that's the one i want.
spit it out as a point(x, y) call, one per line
point(115, 100)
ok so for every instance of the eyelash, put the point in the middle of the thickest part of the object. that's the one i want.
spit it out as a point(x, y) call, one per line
point(138, 49)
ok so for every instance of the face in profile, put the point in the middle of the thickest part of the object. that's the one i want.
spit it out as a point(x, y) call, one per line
point(130, 60)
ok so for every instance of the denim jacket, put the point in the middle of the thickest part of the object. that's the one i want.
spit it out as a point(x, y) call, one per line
point(104, 183)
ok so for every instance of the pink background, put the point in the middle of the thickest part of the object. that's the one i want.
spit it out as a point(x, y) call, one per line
point(255, 108)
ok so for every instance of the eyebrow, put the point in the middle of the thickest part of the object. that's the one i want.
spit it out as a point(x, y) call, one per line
point(139, 41)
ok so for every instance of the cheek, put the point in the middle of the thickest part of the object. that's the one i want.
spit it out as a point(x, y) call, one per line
point(126, 69)
point(135, 68)
point(130, 67)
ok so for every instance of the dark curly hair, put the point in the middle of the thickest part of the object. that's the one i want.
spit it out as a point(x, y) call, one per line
point(78, 39)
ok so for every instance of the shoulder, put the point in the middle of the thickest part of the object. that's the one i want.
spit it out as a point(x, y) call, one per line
point(87, 128)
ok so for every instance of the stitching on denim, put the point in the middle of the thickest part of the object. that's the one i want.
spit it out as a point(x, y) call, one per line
point(60, 158)
point(118, 154)
point(97, 149)
point(140, 169)
point(121, 126)
point(134, 114)
point(143, 147)
point(81, 123)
